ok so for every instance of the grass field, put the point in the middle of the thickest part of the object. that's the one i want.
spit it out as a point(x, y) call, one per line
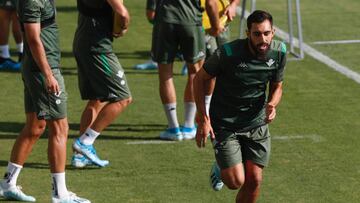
point(315, 146)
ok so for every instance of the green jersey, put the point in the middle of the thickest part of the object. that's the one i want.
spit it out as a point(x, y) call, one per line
point(95, 24)
point(43, 12)
point(184, 12)
point(239, 97)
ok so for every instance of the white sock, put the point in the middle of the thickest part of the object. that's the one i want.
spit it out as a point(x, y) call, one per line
point(11, 175)
point(88, 138)
point(4, 51)
point(190, 112)
point(59, 185)
point(20, 47)
point(170, 112)
point(207, 103)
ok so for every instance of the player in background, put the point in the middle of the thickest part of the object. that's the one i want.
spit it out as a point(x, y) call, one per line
point(102, 80)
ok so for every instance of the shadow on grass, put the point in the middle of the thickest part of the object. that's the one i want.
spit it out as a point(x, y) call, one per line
point(10, 130)
point(46, 166)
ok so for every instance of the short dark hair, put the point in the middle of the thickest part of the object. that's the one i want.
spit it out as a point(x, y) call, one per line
point(258, 16)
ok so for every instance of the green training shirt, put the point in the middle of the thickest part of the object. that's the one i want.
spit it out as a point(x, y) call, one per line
point(239, 97)
point(184, 12)
point(41, 11)
point(94, 33)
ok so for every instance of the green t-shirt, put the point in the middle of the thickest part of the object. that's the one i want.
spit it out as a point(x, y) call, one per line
point(151, 5)
point(184, 12)
point(239, 97)
point(94, 33)
point(41, 11)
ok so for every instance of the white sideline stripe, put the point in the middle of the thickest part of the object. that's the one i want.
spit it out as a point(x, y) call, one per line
point(314, 137)
point(336, 42)
point(315, 53)
point(9, 133)
point(152, 142)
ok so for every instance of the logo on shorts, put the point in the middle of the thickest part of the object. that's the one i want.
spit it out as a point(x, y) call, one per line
point(200, 54)
point(120, 74)
point(58, 101)
point(42, 114)
point(111, 95)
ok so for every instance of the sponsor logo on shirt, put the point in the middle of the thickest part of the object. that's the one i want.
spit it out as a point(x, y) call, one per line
point(242, 65)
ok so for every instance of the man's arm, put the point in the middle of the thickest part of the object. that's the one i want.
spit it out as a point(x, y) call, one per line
point(212, 11)
point(275, 93)
point(122, 12)
point(201, 81)
point(32, 35)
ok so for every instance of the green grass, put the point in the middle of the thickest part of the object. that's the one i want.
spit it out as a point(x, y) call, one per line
point(317, 101)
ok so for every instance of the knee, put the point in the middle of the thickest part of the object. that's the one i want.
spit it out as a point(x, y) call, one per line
point(125, 102)
point(37, 130)
point(234, 183)
point(253, 182)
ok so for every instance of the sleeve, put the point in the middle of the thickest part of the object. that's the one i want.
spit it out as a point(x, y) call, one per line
point(151, 5)
point(279, 74)
point(213, 64)
point(30, 11)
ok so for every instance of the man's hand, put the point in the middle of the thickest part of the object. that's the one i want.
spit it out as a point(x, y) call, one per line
point(230, 11)
point(215, 31)
point(270, 113)
point(52, 85)
point(203, 130)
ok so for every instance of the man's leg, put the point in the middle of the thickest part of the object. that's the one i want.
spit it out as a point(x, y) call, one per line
point(5, 18)
point(58, 133)
point(251, 188)
point(96, 117)
point(233, 177)
point(108, 114)
point(16, 31)
point(168, 99)
point(5, 60)
point(90, 113)
point(189, 129)
point(23, 146)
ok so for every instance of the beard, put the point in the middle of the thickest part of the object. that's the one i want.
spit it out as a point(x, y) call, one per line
point(260, 49)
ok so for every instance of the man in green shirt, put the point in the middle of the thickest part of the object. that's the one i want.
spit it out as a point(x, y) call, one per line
point(45, 102)
point(178, 25)
point(102, 80)
point(240, 109)
point(8, 18)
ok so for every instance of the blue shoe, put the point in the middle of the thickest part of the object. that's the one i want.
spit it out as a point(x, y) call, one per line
point(188, 133)
point(184, 70)
point(215, 178)
point(71, 198)
point(80, 161)
point(9, 64)
point(150, 65)
point(14, 193)
point(90, 153)
point(171, 134)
